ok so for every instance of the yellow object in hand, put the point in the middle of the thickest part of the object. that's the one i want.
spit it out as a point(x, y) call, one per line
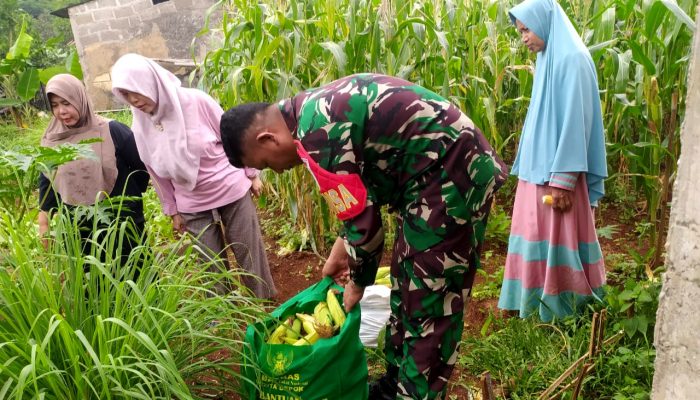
point(547, 199)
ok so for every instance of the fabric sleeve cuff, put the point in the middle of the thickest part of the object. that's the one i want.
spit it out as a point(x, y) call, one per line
point(364, 271)
point(251, 172)
point(364, 278)
point(563, 180)
point(169, 208)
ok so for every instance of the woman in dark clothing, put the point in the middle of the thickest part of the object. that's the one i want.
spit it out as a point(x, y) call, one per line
point(117, 171)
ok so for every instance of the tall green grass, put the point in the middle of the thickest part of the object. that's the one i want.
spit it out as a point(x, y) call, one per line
point(525, 356)
point(87, 324)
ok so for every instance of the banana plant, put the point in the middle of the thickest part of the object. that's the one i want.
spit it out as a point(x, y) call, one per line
point(21, 80)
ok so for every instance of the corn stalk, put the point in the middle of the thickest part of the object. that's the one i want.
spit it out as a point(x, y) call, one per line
point(469, 52)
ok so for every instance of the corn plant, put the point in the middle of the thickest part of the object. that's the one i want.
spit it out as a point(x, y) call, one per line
point(20, 79)
point(643, 70)
point(469, 52)
point(80, 321)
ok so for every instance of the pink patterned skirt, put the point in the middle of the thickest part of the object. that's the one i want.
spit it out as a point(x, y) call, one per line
point(554, 265)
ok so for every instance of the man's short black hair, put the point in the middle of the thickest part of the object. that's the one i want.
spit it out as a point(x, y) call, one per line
point(235, 124)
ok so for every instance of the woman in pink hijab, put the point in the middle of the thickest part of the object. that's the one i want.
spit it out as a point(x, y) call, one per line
point(177, 134)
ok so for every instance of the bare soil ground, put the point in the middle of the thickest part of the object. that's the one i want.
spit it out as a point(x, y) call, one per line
point(296, 271)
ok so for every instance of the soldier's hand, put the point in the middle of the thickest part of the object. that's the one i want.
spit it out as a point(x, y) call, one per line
point(336, 265)
point(352, 295)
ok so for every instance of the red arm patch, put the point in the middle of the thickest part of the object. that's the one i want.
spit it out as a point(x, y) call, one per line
point(346, 194)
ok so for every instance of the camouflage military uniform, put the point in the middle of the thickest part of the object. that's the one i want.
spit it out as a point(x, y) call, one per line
point(421, 155)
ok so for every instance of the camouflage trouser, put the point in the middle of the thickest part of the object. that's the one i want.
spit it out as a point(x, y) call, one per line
point(435, 260)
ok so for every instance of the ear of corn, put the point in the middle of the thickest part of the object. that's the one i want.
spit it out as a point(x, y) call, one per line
point(307, 322)
point(382, 272)
point(335, 309)
point(308, 327)
point(290, 333)
point(322, 315)
point(289, 325)
point(324, 320)
point(304, 329)
point(383, 277)
point(289, 340)
point(296, 326)
point(278, 334)
point(306, 317)
point(311, 338)
point(384, 281)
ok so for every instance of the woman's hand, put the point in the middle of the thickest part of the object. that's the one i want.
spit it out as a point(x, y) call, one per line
point(179, 223)
point(256, 186)
point(44, 229)
point(562, 200)
point(336, 265)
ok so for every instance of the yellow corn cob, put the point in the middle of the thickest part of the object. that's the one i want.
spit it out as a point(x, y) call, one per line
point(290, 340)
point(296, 326)
point(277, 334)
point(337, 312)
point(322, 315)
point(306, 317)
point(324, 320)
point(384, 281)
point(290, 332)
point(309, 327)
point(311, 338)
point(382, 272)
point(307, 322)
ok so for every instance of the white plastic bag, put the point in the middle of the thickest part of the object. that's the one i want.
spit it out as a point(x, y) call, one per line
point(375, 313)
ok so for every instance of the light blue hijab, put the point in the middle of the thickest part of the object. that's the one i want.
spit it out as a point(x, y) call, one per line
point(563, 130)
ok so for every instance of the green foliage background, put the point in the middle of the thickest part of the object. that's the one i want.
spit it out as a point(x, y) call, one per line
point(469, 52)
point(43, 25)
point(80, 324)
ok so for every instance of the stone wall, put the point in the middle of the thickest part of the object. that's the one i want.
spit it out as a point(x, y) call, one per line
point(677, 336)
point(106, 29)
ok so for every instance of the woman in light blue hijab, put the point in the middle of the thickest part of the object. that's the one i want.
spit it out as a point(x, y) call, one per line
point(554, 265)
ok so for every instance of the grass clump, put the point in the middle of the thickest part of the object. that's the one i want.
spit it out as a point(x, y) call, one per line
point(80, 321)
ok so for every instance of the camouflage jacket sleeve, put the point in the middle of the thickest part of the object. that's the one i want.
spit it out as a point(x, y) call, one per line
point(364, 242)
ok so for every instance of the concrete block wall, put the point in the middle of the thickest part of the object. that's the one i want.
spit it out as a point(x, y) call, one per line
point(677, 338)
point(106, 29)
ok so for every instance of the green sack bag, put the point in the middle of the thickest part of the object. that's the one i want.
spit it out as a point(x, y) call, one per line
point(334, 368)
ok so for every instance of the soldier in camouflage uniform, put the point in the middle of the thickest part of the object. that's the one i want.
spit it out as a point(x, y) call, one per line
point(371, 140)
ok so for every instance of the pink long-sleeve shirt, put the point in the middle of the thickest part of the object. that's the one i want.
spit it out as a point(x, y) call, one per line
point(218, 183)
